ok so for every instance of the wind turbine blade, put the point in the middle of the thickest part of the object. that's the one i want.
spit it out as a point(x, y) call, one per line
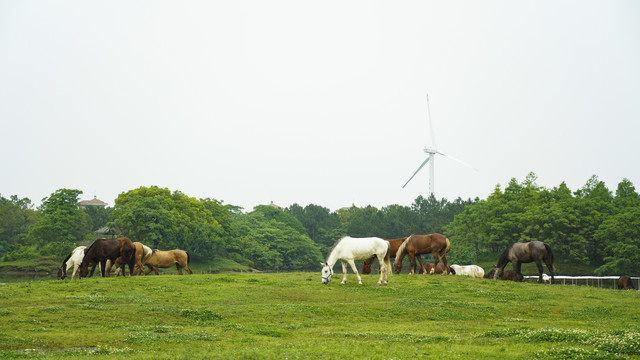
point(414, 174)
point(433, 136)
point(458, 160)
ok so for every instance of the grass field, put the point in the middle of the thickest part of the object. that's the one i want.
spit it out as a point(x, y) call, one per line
point(292, 315)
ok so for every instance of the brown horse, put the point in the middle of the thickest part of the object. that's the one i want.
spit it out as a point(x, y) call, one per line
point(526, 252)
point(625, 282)
point(435, 244)
point(394, 244)
point(142, 254)
point(164, 259)
point(107, 249)
point(506, 275)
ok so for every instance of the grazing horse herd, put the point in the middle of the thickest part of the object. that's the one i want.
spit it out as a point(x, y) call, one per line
point(121, 252)
point(349, 249)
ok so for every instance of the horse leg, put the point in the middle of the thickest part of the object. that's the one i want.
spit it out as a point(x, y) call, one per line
point(516, 267)
point(179, 269)
point(539, 265)
point(383, 271)
point(75, 270)
point(550, 267)
point(355, 270)
point(424, 271)
point(412, 261)
point(344, 272)
point(103, 267)
point(186, 267)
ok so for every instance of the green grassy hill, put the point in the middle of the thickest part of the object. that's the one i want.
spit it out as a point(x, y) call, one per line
point(292, 315)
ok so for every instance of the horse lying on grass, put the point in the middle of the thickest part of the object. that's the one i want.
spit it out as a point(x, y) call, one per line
point(506, 275)
point(474, 271)
point(440, 268)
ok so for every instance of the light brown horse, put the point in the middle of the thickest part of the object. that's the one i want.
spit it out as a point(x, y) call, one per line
point(394, 244)
point(164, 259)
point(435, 244)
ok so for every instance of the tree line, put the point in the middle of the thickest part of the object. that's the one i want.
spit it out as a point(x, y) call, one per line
point(589, 226)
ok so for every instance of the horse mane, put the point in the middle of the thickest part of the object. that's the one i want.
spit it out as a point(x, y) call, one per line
point(333, 247)
point(402, 247)
point(504, 257)
point(64, 263)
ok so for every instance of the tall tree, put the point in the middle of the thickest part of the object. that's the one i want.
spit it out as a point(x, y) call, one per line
point(62, 224)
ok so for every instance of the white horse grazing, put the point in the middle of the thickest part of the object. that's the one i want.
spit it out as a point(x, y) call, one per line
point(72, 261)
point(349, 249)
point(468, 270)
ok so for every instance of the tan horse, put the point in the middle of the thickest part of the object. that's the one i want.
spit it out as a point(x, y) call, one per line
point(394, 245)
point(435, 244)
point(164, 259)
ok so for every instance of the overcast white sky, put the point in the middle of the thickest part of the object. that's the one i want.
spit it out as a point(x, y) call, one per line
point(322, 103)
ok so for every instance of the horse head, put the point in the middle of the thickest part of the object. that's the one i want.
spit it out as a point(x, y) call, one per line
point(327, 271)
point(61, 273)
point(83, 270)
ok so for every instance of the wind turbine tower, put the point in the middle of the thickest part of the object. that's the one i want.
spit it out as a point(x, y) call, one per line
point(433, 151)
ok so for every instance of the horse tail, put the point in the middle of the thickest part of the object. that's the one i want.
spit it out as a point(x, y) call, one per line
point(446, 249)
point(188, 257)
point(550, 255)
point(387, 257)
point(401, 250)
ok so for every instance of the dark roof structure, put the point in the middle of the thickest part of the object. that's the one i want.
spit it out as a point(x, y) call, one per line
point(109, 230)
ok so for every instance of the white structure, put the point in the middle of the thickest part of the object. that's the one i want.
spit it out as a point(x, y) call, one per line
point(432, 151)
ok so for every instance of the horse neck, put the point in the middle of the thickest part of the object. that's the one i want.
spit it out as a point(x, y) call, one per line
point(402, 250)
point(332, 258)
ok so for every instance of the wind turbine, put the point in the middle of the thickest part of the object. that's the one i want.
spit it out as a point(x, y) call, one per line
point(433, 151)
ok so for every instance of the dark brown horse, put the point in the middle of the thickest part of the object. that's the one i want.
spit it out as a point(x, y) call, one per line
point(435, 244)
point(519, 252)
point(625, 282)
point(507, 275)
point(394, 245)
point(108, 249)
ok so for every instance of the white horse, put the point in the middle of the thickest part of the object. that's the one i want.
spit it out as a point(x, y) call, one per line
point(72, 261)
point(349, 249)
point(468, 270)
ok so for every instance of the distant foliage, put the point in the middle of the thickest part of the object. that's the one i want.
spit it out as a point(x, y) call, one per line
point(590, 226)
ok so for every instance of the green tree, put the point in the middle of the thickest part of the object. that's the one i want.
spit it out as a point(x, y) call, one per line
point(274, 239)
point(61, 226)
point(165, 220)
point(16, 217)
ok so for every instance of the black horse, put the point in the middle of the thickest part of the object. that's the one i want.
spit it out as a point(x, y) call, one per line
point(518, 253)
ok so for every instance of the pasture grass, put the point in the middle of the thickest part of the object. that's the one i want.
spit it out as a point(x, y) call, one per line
point(292, 315)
